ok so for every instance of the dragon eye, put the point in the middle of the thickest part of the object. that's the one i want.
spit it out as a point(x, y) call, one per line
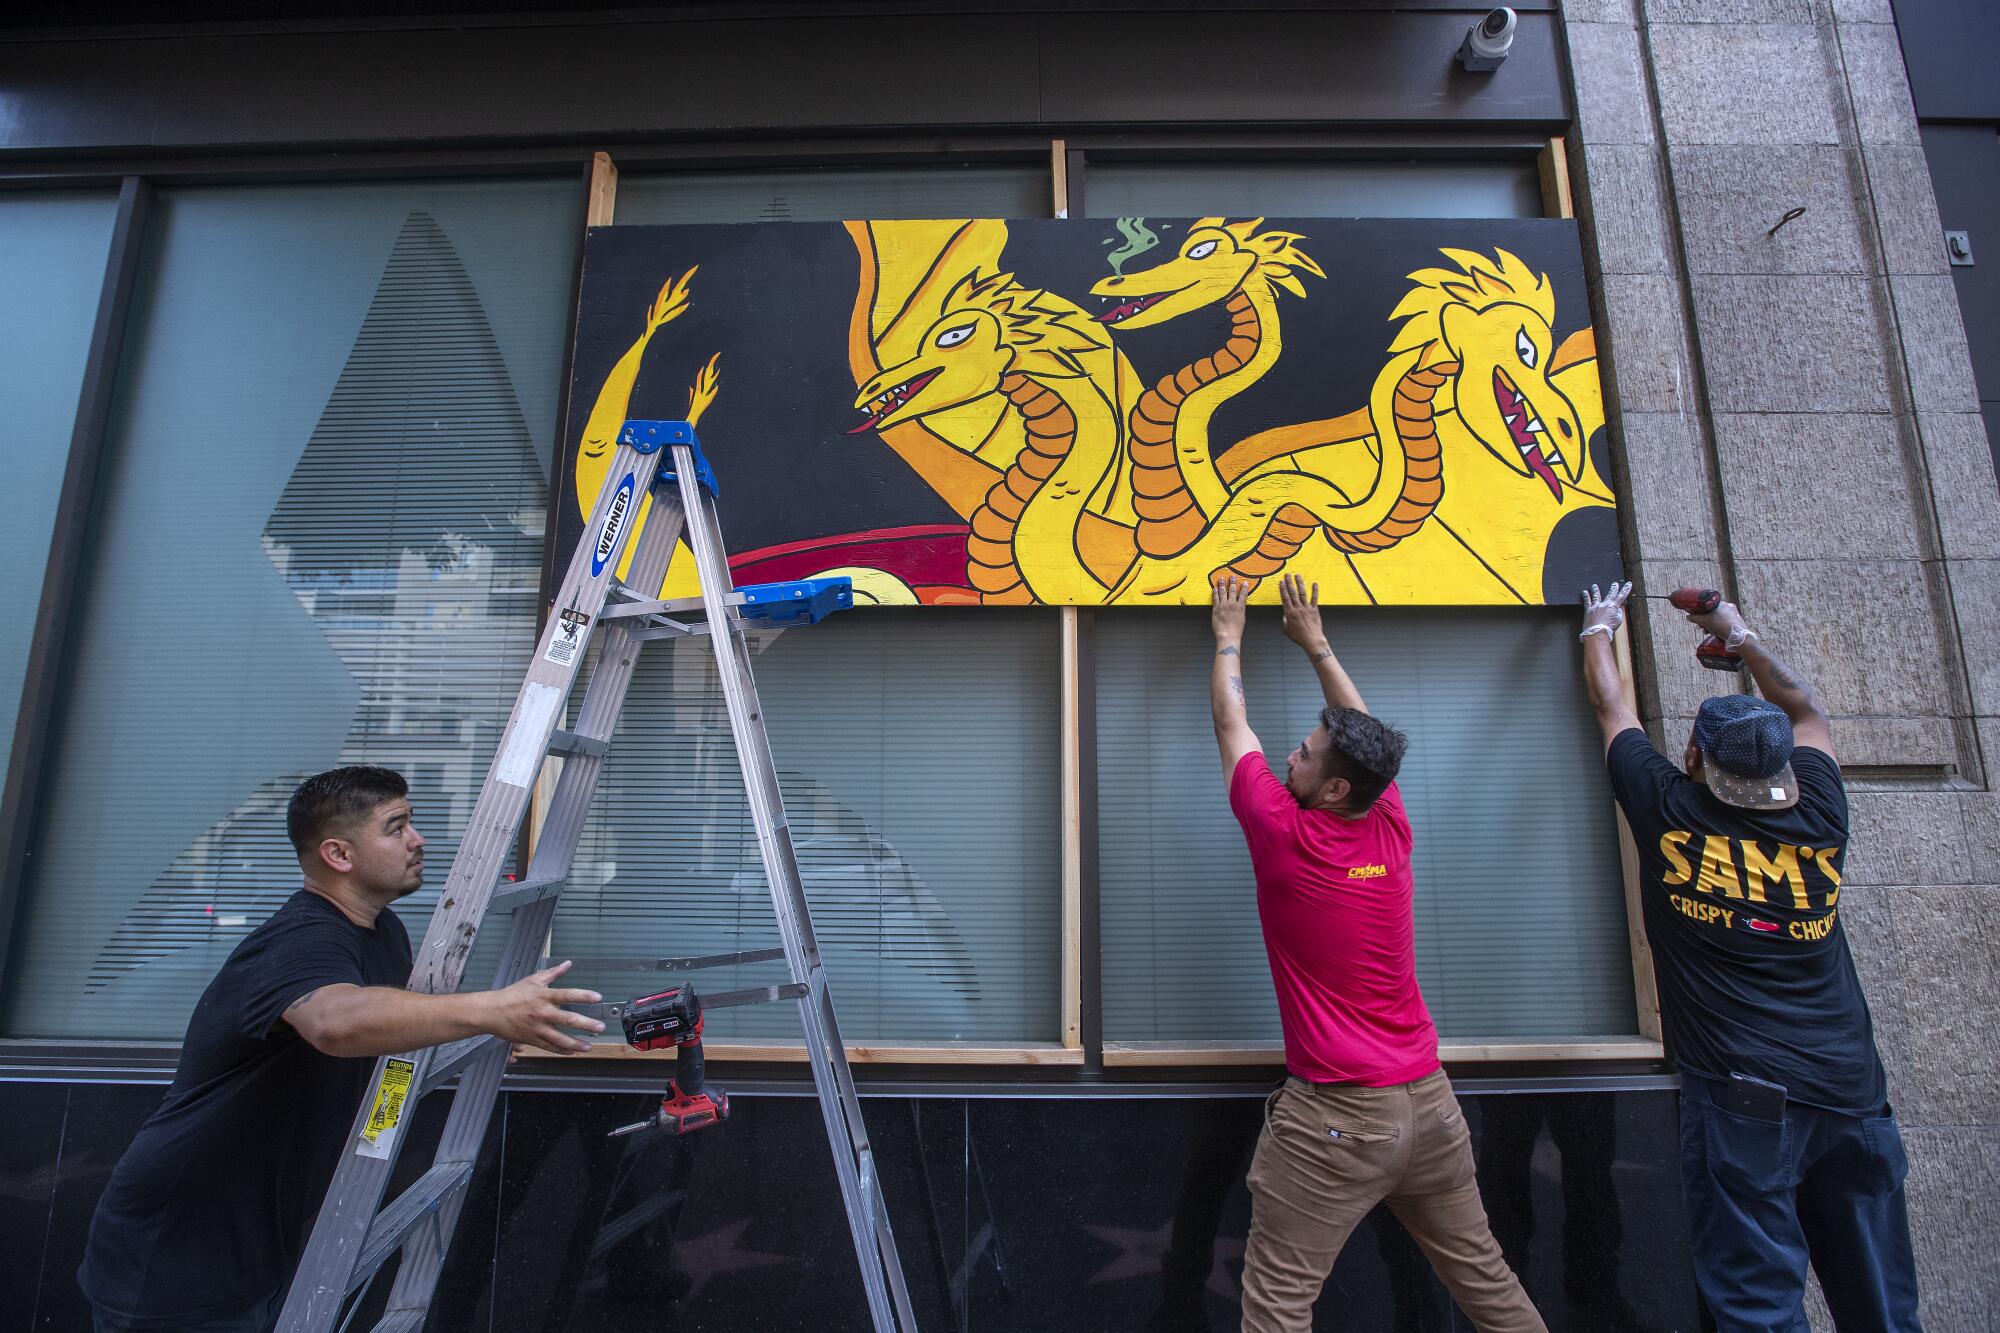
point(1202, 251)
point(955, 335)
point(1525, 348)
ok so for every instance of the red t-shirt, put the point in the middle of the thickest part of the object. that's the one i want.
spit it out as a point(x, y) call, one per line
point(1334, 896)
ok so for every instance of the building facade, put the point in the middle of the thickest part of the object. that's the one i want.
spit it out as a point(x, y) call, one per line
point(287, 326)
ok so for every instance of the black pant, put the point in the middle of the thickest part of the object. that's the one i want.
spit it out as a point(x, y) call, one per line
point(1765, 1197)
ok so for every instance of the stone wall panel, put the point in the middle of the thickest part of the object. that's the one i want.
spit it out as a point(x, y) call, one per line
point(1967, 499)
point(1791, 344)
point(1759, 83)
point(1817, 485)
point(1862, 631)
point(1731, 197)
point(1934, 347)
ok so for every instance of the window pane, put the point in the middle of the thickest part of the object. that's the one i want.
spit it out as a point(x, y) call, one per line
point(924, 801)
point(1314, 189)
point(52, 253)
point(823, 194)
point(321, 543)
point(1520, 908)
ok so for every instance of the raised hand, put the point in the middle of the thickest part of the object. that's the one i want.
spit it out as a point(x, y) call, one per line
point(1302, 622)
point(1604, 611)
point(1226, 614)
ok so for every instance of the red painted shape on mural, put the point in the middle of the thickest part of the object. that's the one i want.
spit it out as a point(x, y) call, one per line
point(930, 557)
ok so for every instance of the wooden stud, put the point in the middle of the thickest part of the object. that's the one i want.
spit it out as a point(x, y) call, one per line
point(1072, 838)
point(1154, 1054)
point(603, 191)
point(1645, 990)
point(790, 1052)
point(600, 203)
point(1553, 165)
point(1059, 174)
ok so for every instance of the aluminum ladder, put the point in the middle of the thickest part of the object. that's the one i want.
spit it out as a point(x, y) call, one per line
point(354, 1235)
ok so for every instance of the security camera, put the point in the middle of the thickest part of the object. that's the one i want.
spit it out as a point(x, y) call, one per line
point(1488, 41)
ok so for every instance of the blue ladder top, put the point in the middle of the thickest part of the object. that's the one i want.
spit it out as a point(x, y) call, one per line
point(799, 602)
point(650, 436)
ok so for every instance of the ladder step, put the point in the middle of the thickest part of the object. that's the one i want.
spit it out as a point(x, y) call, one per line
point(449, 1060)
point(400, 1218)
point(568, 742)
point(799, 602)
point(513, 895)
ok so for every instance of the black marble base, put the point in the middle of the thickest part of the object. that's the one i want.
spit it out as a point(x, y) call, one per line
point(1030, 1213)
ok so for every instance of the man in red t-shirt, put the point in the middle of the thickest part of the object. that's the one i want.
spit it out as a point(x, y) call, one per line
point(1367, 1115)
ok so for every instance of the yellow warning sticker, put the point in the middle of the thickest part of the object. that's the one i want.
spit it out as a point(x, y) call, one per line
point(378, 1136)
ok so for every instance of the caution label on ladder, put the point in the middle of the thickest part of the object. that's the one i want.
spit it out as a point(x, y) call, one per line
point(378, 1137)
point(567, 641)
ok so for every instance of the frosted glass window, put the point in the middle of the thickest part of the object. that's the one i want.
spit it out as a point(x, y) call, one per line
point(321, 543)
point(834, 194)
point(1520, 906)
point(52, 253)
point(1314, 189)
point(918, 756)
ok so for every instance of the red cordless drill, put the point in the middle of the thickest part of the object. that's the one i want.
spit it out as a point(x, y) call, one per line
point(674, 1018)
point(1711, 652)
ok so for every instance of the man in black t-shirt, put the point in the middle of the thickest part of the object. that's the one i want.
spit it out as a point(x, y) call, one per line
point(205, 1216)
point(1789, 1151)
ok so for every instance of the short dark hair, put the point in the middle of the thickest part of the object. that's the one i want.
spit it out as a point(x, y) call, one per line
point(338, 799)
point(1365, 750)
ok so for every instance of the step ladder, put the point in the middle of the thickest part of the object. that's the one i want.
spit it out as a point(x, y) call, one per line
point(354, 1235)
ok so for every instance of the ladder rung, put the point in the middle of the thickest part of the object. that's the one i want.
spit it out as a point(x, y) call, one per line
point(400, 1218)
point(511, 897)
point(671, 606)
point(669, 964)
point(671, 629)
point(568, 742)
point(449, 1060)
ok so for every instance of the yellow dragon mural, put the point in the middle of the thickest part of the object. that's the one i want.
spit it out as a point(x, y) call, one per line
point(1476, 368)
point(1081, 483)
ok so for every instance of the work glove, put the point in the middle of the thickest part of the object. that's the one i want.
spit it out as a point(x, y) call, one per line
point(1604, 612)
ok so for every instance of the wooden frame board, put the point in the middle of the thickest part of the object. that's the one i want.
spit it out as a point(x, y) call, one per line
point(1557, 202)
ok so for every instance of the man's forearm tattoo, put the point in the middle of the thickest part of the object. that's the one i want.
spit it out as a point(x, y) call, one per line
point(1783, 674)
point(1320, 656)
point(1236, 687)
point(1230, 651)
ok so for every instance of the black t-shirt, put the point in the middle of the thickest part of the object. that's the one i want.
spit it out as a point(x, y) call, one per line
point(206, 1213)
point(1748, 949)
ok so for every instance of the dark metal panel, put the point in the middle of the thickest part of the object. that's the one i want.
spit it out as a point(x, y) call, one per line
point(1948, 46)
point(1965, 171)
point(603, 82)
point(612, 83)
point(35, 731)
point(1210, 68)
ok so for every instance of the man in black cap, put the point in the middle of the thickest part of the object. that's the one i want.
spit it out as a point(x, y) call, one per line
point(1789, 1151)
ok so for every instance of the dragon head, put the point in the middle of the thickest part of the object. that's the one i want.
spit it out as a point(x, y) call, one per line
point(1495, 317)
point(1216, 260)
point(987, 328)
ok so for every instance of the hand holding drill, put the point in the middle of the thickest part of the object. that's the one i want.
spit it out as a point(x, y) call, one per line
point(1723, 623)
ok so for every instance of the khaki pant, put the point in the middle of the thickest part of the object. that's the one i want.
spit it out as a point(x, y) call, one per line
point(1328, 1154)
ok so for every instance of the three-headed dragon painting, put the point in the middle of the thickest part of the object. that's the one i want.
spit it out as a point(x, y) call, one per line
point(986, 412)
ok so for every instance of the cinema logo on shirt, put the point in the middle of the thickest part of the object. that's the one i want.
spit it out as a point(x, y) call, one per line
point(1367, 872)
point(1735, 873)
